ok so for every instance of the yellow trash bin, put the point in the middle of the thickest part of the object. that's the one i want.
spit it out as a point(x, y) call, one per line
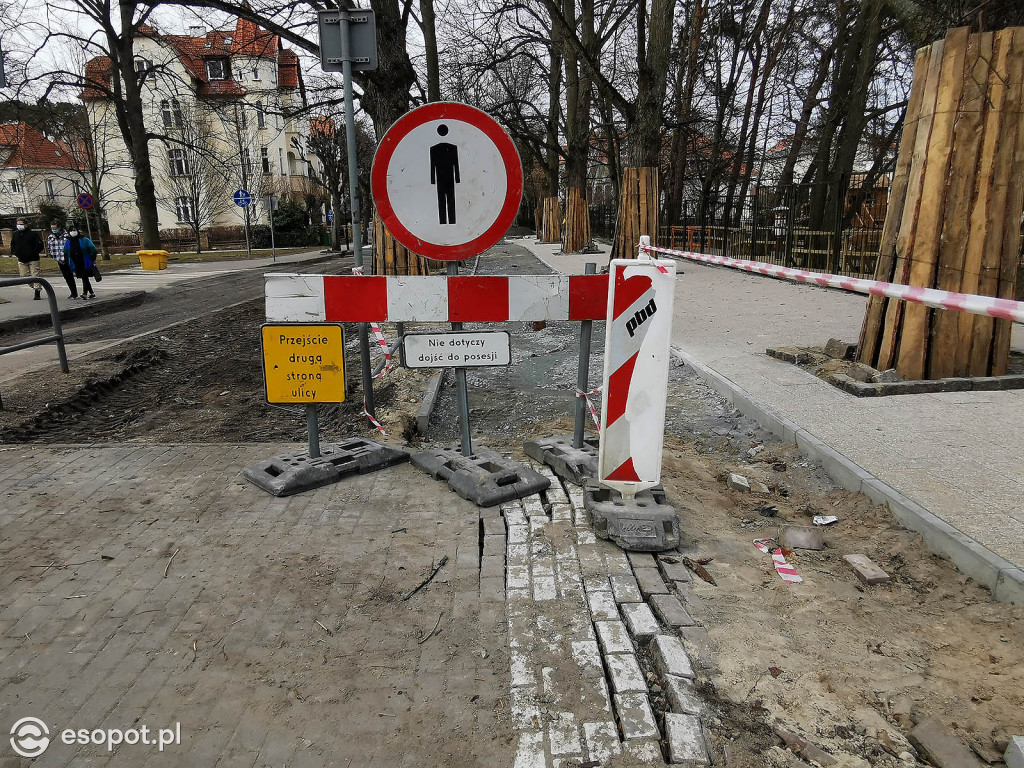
point(153, 260)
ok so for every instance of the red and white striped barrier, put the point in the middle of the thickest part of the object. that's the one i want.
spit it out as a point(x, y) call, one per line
point(457, 299)
point(1006, 309)
point(786, 571)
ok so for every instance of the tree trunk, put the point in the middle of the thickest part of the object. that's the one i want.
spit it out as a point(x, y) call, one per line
point(689, 41)
point(577, 131)
point(430, 50)
point(551, 227)
point(638, 211)
point(643, 127)
point(577, 221)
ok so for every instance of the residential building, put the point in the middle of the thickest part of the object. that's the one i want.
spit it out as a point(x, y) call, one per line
point(226, 108)
point(35, 169)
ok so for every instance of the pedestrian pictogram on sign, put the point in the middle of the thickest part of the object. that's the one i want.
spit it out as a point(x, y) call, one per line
point(85, 201)
point(447, 181)
point(637, 338)
point(242, 198)
point(304, 363)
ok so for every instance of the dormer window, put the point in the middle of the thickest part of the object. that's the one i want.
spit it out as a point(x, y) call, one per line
point(208, 43)
point(217, 69)
point(228, 40)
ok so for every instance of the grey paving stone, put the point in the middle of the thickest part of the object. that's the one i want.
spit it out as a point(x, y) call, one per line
point(671, 611)
point(674, 571)
point(1014, 756)
point(685, 739)
point(642, 560)
point(640, 621)
point(670, 657)
point(613, 637)
point(650, 581)
point(602, 606)
point(635, 716)
point(680, 695)
point(602, 741)
point(625, 589)
point(494, 545)
point(625, 673)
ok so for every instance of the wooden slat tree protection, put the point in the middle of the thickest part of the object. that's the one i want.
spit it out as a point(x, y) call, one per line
point(638, 211)
point(577, 221)
point(390, 257)
point(551, 223)
point(954, 214)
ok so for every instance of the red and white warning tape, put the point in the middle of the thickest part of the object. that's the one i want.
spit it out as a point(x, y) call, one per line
point(1006, 309)
point(590, 404)
point(377, 425)
point(786, 571)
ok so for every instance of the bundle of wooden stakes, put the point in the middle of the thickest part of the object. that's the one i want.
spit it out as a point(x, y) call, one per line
point(955, 211)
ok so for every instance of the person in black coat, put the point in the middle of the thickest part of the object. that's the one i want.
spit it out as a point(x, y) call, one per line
point(26, 245)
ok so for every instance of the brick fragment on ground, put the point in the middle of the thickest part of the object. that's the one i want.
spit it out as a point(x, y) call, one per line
point(685, 739)
point(840, 350)
point(940, 747)
point(737, 482)
point(866, 570)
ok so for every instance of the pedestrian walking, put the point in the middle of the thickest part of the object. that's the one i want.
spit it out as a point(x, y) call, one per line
point(27, 246)
point(55, 247)
point(81, 253)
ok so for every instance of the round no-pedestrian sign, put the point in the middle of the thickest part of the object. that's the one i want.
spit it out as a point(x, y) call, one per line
point(447, 181)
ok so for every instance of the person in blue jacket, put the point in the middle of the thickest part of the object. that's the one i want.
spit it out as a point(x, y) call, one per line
point(81, 253)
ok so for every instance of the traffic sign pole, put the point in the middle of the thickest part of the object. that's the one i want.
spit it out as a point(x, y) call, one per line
point(461, 393)
point(353, 188)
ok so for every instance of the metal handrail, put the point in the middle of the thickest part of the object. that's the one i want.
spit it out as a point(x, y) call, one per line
point(58, 335)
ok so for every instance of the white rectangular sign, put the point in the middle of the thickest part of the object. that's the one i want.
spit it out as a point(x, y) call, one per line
point(468, 349)
point(636, 360)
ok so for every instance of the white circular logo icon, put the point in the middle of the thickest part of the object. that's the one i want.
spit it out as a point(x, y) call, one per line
point(30, 737)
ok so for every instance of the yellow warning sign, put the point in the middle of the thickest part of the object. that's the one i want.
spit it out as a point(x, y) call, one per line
point(304, 363)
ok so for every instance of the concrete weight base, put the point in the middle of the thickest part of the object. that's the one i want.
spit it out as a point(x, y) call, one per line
point(486, 478)
point(646, 523)
point(572, 464)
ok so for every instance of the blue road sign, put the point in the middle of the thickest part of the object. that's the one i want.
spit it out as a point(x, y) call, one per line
point(242, 198)
point(330, 215)
point(85, 201)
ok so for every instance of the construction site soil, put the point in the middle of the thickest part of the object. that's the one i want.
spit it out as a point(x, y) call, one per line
point(850, 668)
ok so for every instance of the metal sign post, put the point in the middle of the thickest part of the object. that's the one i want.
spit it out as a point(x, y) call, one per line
point(583, 372)
point(242, 199)
point(270, 201)
point(461, 393)
point(356, 30)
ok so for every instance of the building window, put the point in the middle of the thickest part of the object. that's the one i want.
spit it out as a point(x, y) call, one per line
point(265, 157)
point(178, 162)
point(15, 186)
point(261, 117)
point(247, 160)
point(142, 65)
point(50, 192)
point(183, 210)
point(217, 69)
point(280, 160)
point(171, 111)
point(19, 209)
point(228, 39)
point(255, 73)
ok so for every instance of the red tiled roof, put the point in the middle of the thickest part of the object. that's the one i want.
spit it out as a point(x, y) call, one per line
point(287, 69)
point(31, 149)
point(247, 39)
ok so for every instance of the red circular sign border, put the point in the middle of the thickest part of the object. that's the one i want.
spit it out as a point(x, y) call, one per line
point(510, 157)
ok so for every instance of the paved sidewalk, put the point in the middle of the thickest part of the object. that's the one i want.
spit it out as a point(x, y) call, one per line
point(956, 454)
point(18, 301)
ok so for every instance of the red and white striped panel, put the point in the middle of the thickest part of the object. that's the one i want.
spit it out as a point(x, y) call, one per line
point(637, 339)
point(457, 299)
point(1006, 309)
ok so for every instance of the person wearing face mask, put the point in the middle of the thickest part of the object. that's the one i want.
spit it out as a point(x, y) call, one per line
point(27, 246)
point(81, 253)
point(55, 247)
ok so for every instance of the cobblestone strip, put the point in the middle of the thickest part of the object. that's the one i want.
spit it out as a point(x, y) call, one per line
point(586, 644)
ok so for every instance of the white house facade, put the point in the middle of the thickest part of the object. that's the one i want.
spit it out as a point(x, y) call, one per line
point(226, 106)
